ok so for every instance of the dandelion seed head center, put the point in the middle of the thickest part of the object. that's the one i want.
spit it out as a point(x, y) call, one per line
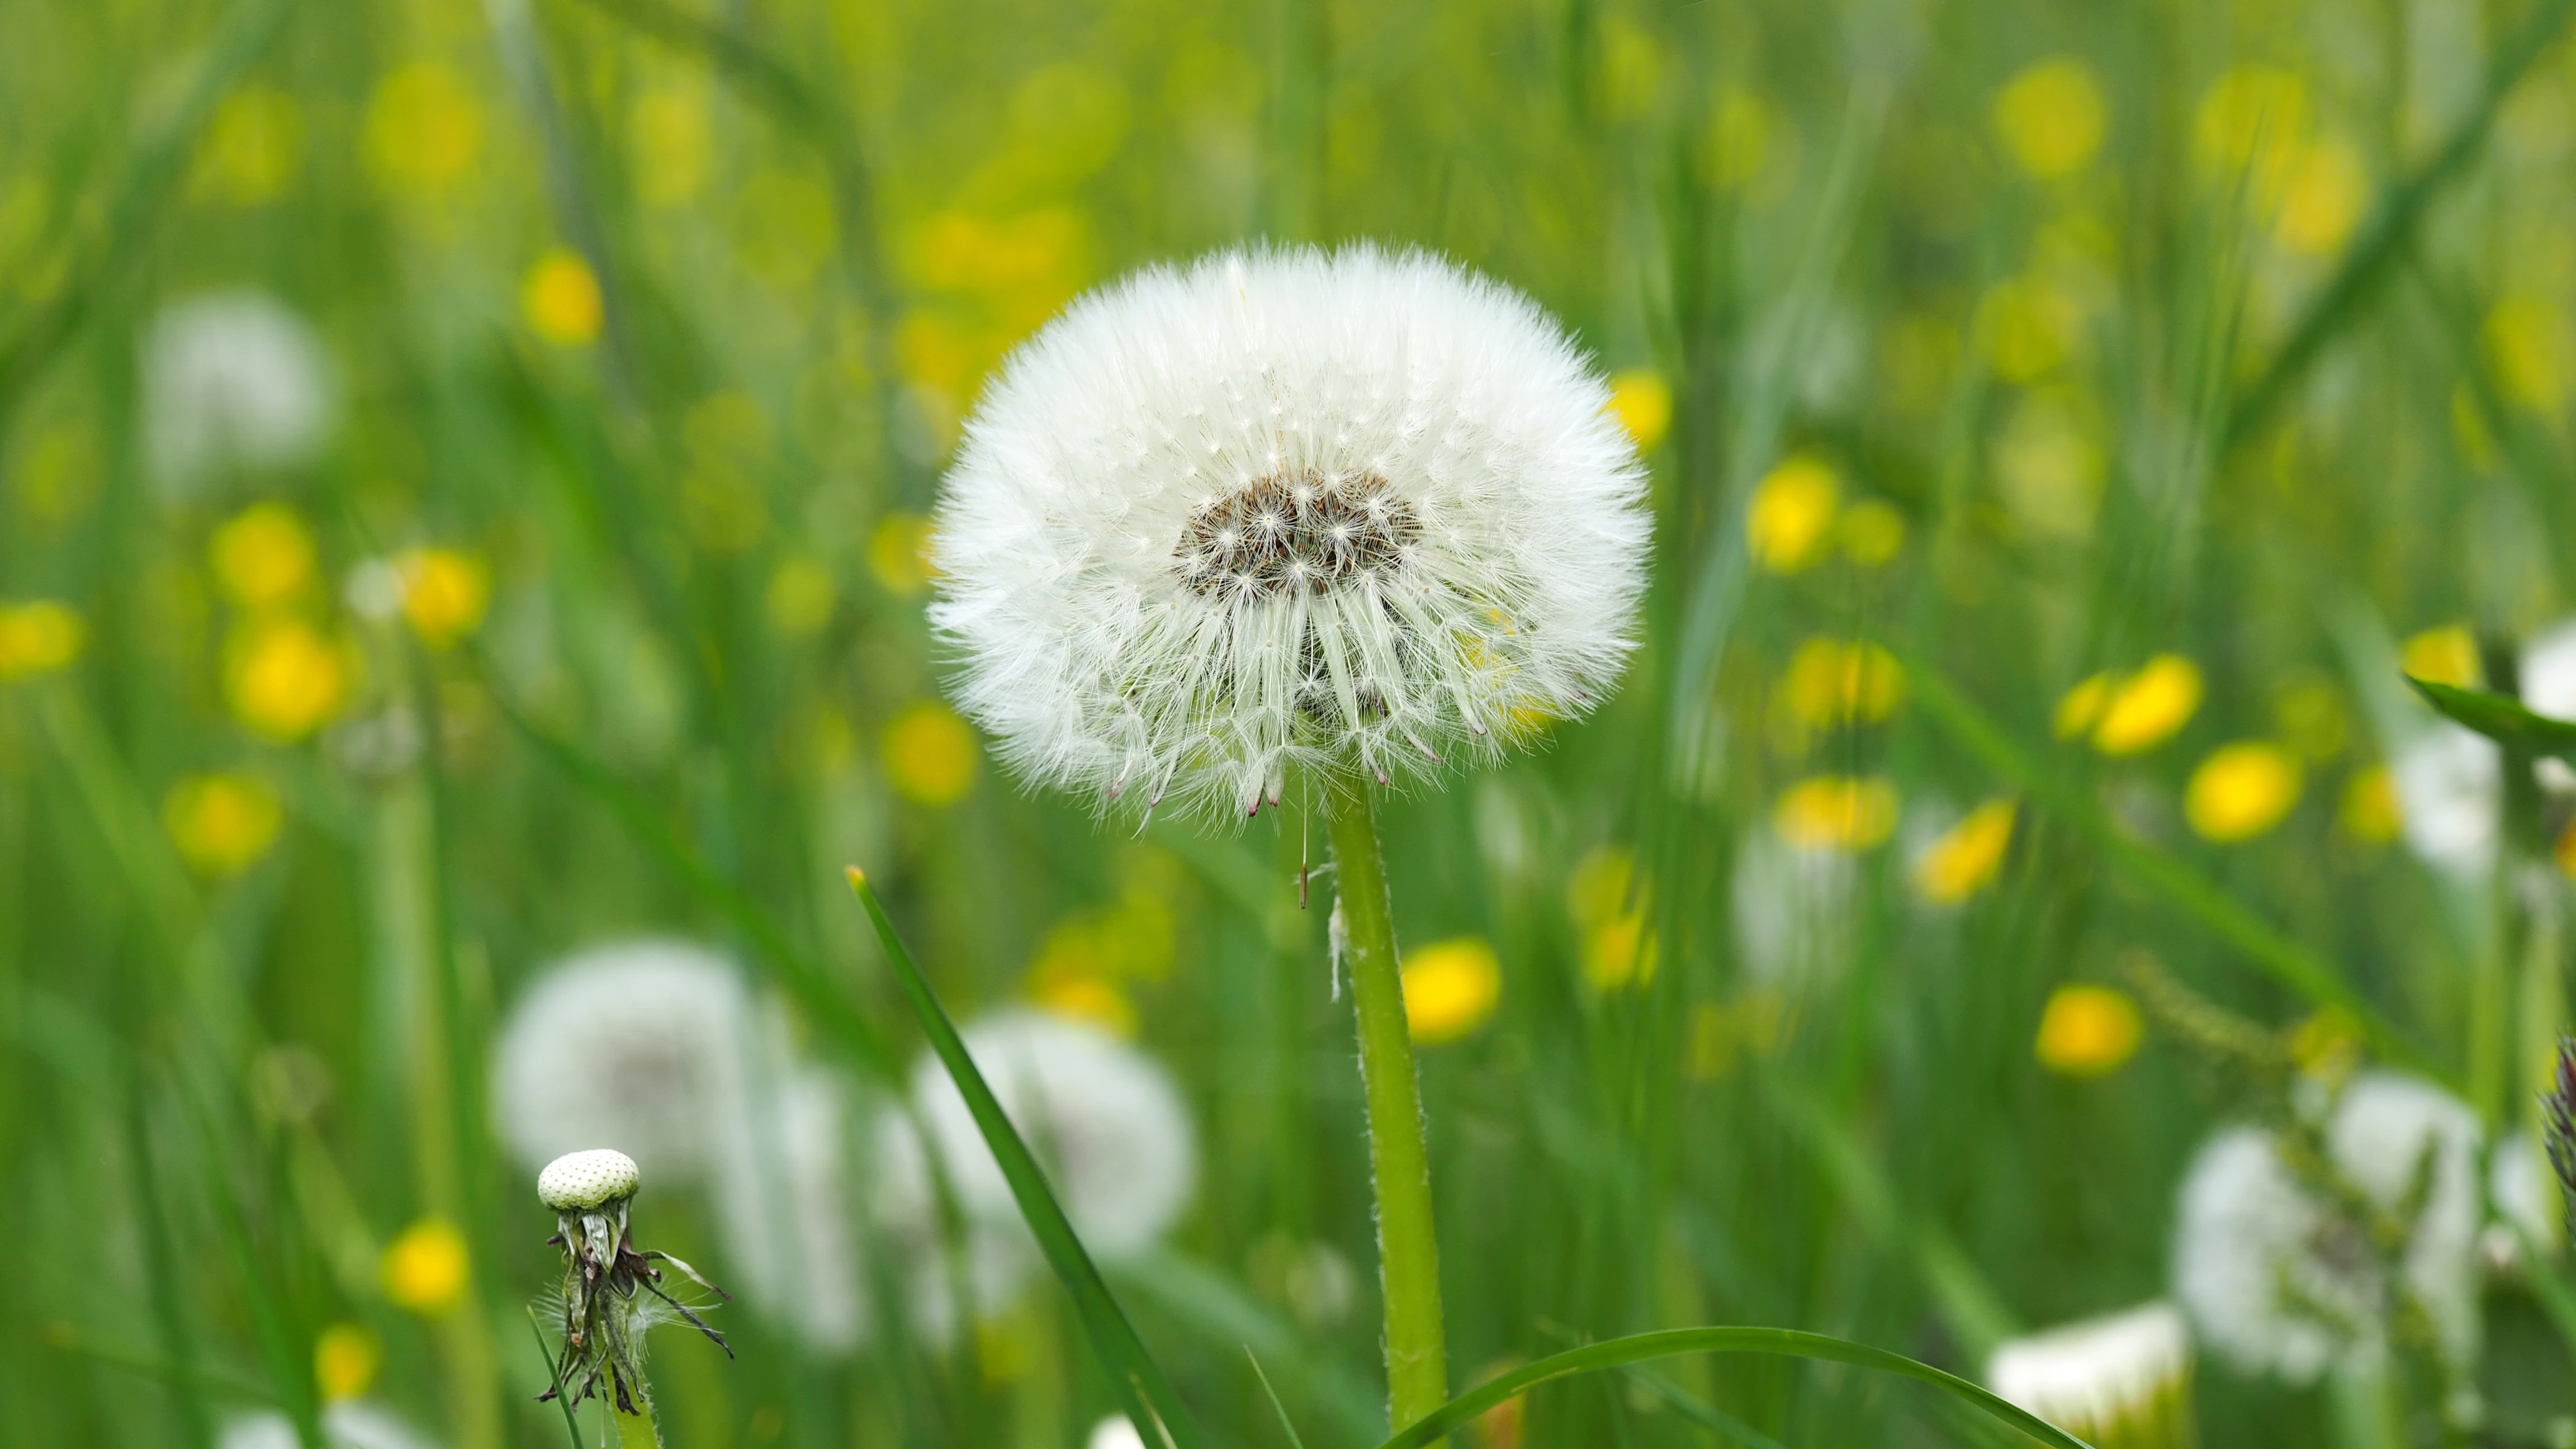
point(1292, 530)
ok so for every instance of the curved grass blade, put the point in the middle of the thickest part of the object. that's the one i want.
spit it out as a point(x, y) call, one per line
point(1144, 1392)
point(2501, 718)
point(554, 1375)
point(1287, 1425)
point(1778, 1342)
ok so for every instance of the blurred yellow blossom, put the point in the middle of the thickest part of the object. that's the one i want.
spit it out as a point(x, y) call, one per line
point(1831, 682)
point(251, 149)
point(799, 598)
point(262, 556)
point(930, 754)
point(2370, 812)
point(2145, 709)
point(2051, 116)
point(1739, 140)
point(1451, 988)
point(1608, 905)
point(561, 298)
point(1872, 533)
point(2253, 125)
point(2088, 1031)
point(1792, 514)
point(1643, 403)
point(221, 823)
point(2080, 708)
point(423, 127)
point(425, 1268)
point(345, 1359)
point(2327, 189)
point(1962, 860)
point(444, 593)
point(39, 636)
point(899, 553)
point(2444, 654)
point(667, 134)
point(2034, 326)
point(1836, 812)
point(284, 678)
point(2525, 341)
point(1087, 999)
point(2241, 790)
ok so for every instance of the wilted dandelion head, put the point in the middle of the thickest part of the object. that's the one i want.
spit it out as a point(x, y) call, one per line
point(2118, 1379)
point(641, 1043)
point(231, 380)
point(611, 1293)
point(1350, 511)
point(2289, 1266)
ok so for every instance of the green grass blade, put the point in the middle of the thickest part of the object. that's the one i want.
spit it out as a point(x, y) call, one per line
point(1669, 1343)
point(563, 1401)
point(2500, 717)
point(2221, 914)
point(1287, 1425)
point(1144, 1392)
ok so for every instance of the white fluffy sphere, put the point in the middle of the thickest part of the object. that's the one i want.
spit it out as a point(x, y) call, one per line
point(587, 1179)
point(1349, 510)
point(231, 380)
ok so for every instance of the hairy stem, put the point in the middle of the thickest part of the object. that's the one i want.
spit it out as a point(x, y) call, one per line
point(1417, 1369)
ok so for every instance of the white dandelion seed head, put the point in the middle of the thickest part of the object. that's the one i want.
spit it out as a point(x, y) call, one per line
point(231, 380)
point(641, 1043)
point(2525, 1196)
point(783, 1208)
point(2091, 1376)
point(585, 1180)
point(351, 1424)
point(1114, 1432)
point(2548, 669)
point(2278, 1280)
point(2449, 783)
point(1792, 909)
point(1352, 511)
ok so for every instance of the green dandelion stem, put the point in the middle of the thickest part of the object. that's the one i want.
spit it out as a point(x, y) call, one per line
point(1417, 1366)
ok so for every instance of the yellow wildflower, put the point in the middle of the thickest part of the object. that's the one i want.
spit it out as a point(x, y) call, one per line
point(444, 593)
point(799, 597)
point(2080, 708)
point(1962, 860)
point(2051, 117)
point(425, 1268)
point(1872, 533)
point(1831, 682)
point(2241, 790)
point(1451, 988)
point(2145, 709)
point(899, 553)
point(1643, 403)
point(930, 754)
point(222, 823)
point(2370, 812)
point(1792, 514)
point(1619, 951)
point(251, 149)
point(2088, 1031)
point(2327, 188)
point(284, 678)
point(1608, 905)
point(262, 556)
point(561, 298)
point(2525, 340)
point(423, 127)
point(1088, 999)
point(1836, 812)
point(345, 1359)
point(2444, 655)
point(39, 636)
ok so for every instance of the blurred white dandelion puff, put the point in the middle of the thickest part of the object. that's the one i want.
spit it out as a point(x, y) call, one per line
point(231, 380)
point(2280, 1276)
point(354, 1424)
point(1351, 511)
point(782, 1204)
point(2124, 1378)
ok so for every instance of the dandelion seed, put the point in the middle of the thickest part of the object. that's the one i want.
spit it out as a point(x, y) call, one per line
point(233, 380)
point(2120, 1379)
point(1345, 511)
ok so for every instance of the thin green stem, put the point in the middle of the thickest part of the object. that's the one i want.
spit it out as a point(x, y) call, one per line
point(1417, 1363)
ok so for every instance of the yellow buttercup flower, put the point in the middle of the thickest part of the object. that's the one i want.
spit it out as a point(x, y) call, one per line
point(2052, 116)
point(1451, 988)
point(345, 1359)
point(2080, 708)
point(2370, 812)
point(1792, 514)
point(1619, 952)
point(2525, 341)
point(899, 553)
point(2145, 709)
point(2327, 188)
point(2088, 1031)
point(1836, 812)
point(1831, 682)
point(284, 679)
point(799, 598)
point(1608, 906)
point(423, 127)
point(561, 299)
point(1643, 403)
point(222, 823)
point(1088, 999)
point(2444, 655)
point(1872, 533)
point(40, 636)
point(2241, 791)
point(262, 556)
point(930, 754)
point(425, 1268)
point(444, 593)
point(1964, 859)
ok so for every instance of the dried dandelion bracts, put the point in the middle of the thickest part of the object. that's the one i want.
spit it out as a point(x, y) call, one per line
point(612, 1292)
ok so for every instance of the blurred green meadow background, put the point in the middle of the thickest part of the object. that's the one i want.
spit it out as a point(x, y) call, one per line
point(464, 474)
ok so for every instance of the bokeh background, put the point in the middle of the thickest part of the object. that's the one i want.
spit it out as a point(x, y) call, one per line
point(463, 479)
